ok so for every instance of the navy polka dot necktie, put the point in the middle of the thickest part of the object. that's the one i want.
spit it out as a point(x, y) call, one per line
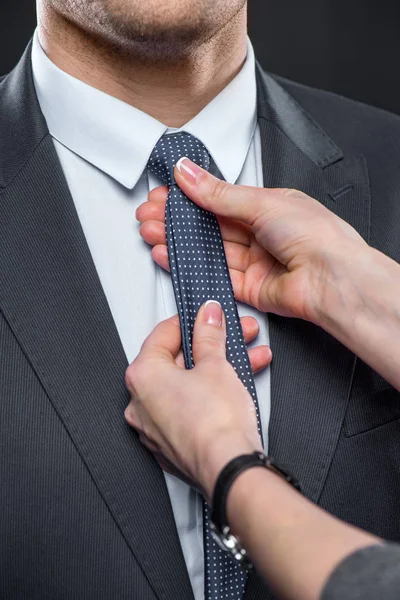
point(199, 273)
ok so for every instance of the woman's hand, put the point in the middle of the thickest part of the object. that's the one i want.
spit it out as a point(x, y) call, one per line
point(194, 421)
point(285, 250)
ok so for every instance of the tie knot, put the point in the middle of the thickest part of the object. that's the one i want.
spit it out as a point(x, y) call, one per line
point(170, 148)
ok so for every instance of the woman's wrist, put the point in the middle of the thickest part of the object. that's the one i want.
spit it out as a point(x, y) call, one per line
point(239, 492)
point(337, 296)
point(217, 454)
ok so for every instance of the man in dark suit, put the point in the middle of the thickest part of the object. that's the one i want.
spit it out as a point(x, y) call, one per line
point(86, 512)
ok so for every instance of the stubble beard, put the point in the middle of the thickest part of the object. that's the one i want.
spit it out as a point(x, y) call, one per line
point(134, 34)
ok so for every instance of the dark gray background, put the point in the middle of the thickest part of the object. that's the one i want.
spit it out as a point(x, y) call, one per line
point(351, 47)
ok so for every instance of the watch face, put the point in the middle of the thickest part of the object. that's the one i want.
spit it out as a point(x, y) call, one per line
point(225, 539)
point(229, 543)
point(218, 537)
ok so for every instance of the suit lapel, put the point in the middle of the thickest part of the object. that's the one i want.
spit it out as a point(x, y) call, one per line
point(51, 296)
point(311, 372)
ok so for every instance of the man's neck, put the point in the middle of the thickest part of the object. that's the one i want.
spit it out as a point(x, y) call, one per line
point(171, 93)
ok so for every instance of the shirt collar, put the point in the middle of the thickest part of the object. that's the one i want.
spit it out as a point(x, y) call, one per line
point(118, 138)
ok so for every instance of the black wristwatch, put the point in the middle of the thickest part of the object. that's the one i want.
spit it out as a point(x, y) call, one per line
point(220, 529)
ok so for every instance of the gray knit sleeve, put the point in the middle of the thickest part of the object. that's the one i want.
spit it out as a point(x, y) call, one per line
point(368, 574)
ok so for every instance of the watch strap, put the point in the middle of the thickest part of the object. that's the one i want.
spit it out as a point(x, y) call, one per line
point(229, 474)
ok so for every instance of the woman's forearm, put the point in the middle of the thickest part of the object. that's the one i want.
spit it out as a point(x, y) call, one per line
point(294, 544)
point(360, 306)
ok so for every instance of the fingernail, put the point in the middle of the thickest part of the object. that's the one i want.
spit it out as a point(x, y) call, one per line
point(212, 313)
point(188, 169)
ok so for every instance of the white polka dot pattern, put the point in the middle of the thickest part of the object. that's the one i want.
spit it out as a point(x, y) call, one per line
point(200, 273)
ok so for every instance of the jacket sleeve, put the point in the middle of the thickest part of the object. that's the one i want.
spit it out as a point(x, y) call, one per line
point(368, 574)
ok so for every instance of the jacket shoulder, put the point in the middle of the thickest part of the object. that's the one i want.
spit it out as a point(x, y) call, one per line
point(359, 129)
point(353, 125)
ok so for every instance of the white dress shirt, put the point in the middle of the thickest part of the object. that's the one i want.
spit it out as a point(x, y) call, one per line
point(104, 145)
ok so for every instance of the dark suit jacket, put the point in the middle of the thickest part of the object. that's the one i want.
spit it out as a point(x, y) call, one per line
point(85, 514)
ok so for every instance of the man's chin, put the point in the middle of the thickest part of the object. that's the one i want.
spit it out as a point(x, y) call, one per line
point(166, 44)
point(151, 31)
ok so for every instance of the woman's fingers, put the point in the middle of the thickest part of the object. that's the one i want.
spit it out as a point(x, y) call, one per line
point(152, 229)
point(164, 341)
point(150, 211)
point(160, 256)
point(209, 192)
point(237, 256)
point(260, 357)
point(132, 414)
point(250, 328)
point(238, 283)
point(153, 232)
point(154, 206)
point(152, 216)
point(209, 338)
point(209, 333)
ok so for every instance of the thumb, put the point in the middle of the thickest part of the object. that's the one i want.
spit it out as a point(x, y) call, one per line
point(209, 334)
point(239, 202)
point(164, 340)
